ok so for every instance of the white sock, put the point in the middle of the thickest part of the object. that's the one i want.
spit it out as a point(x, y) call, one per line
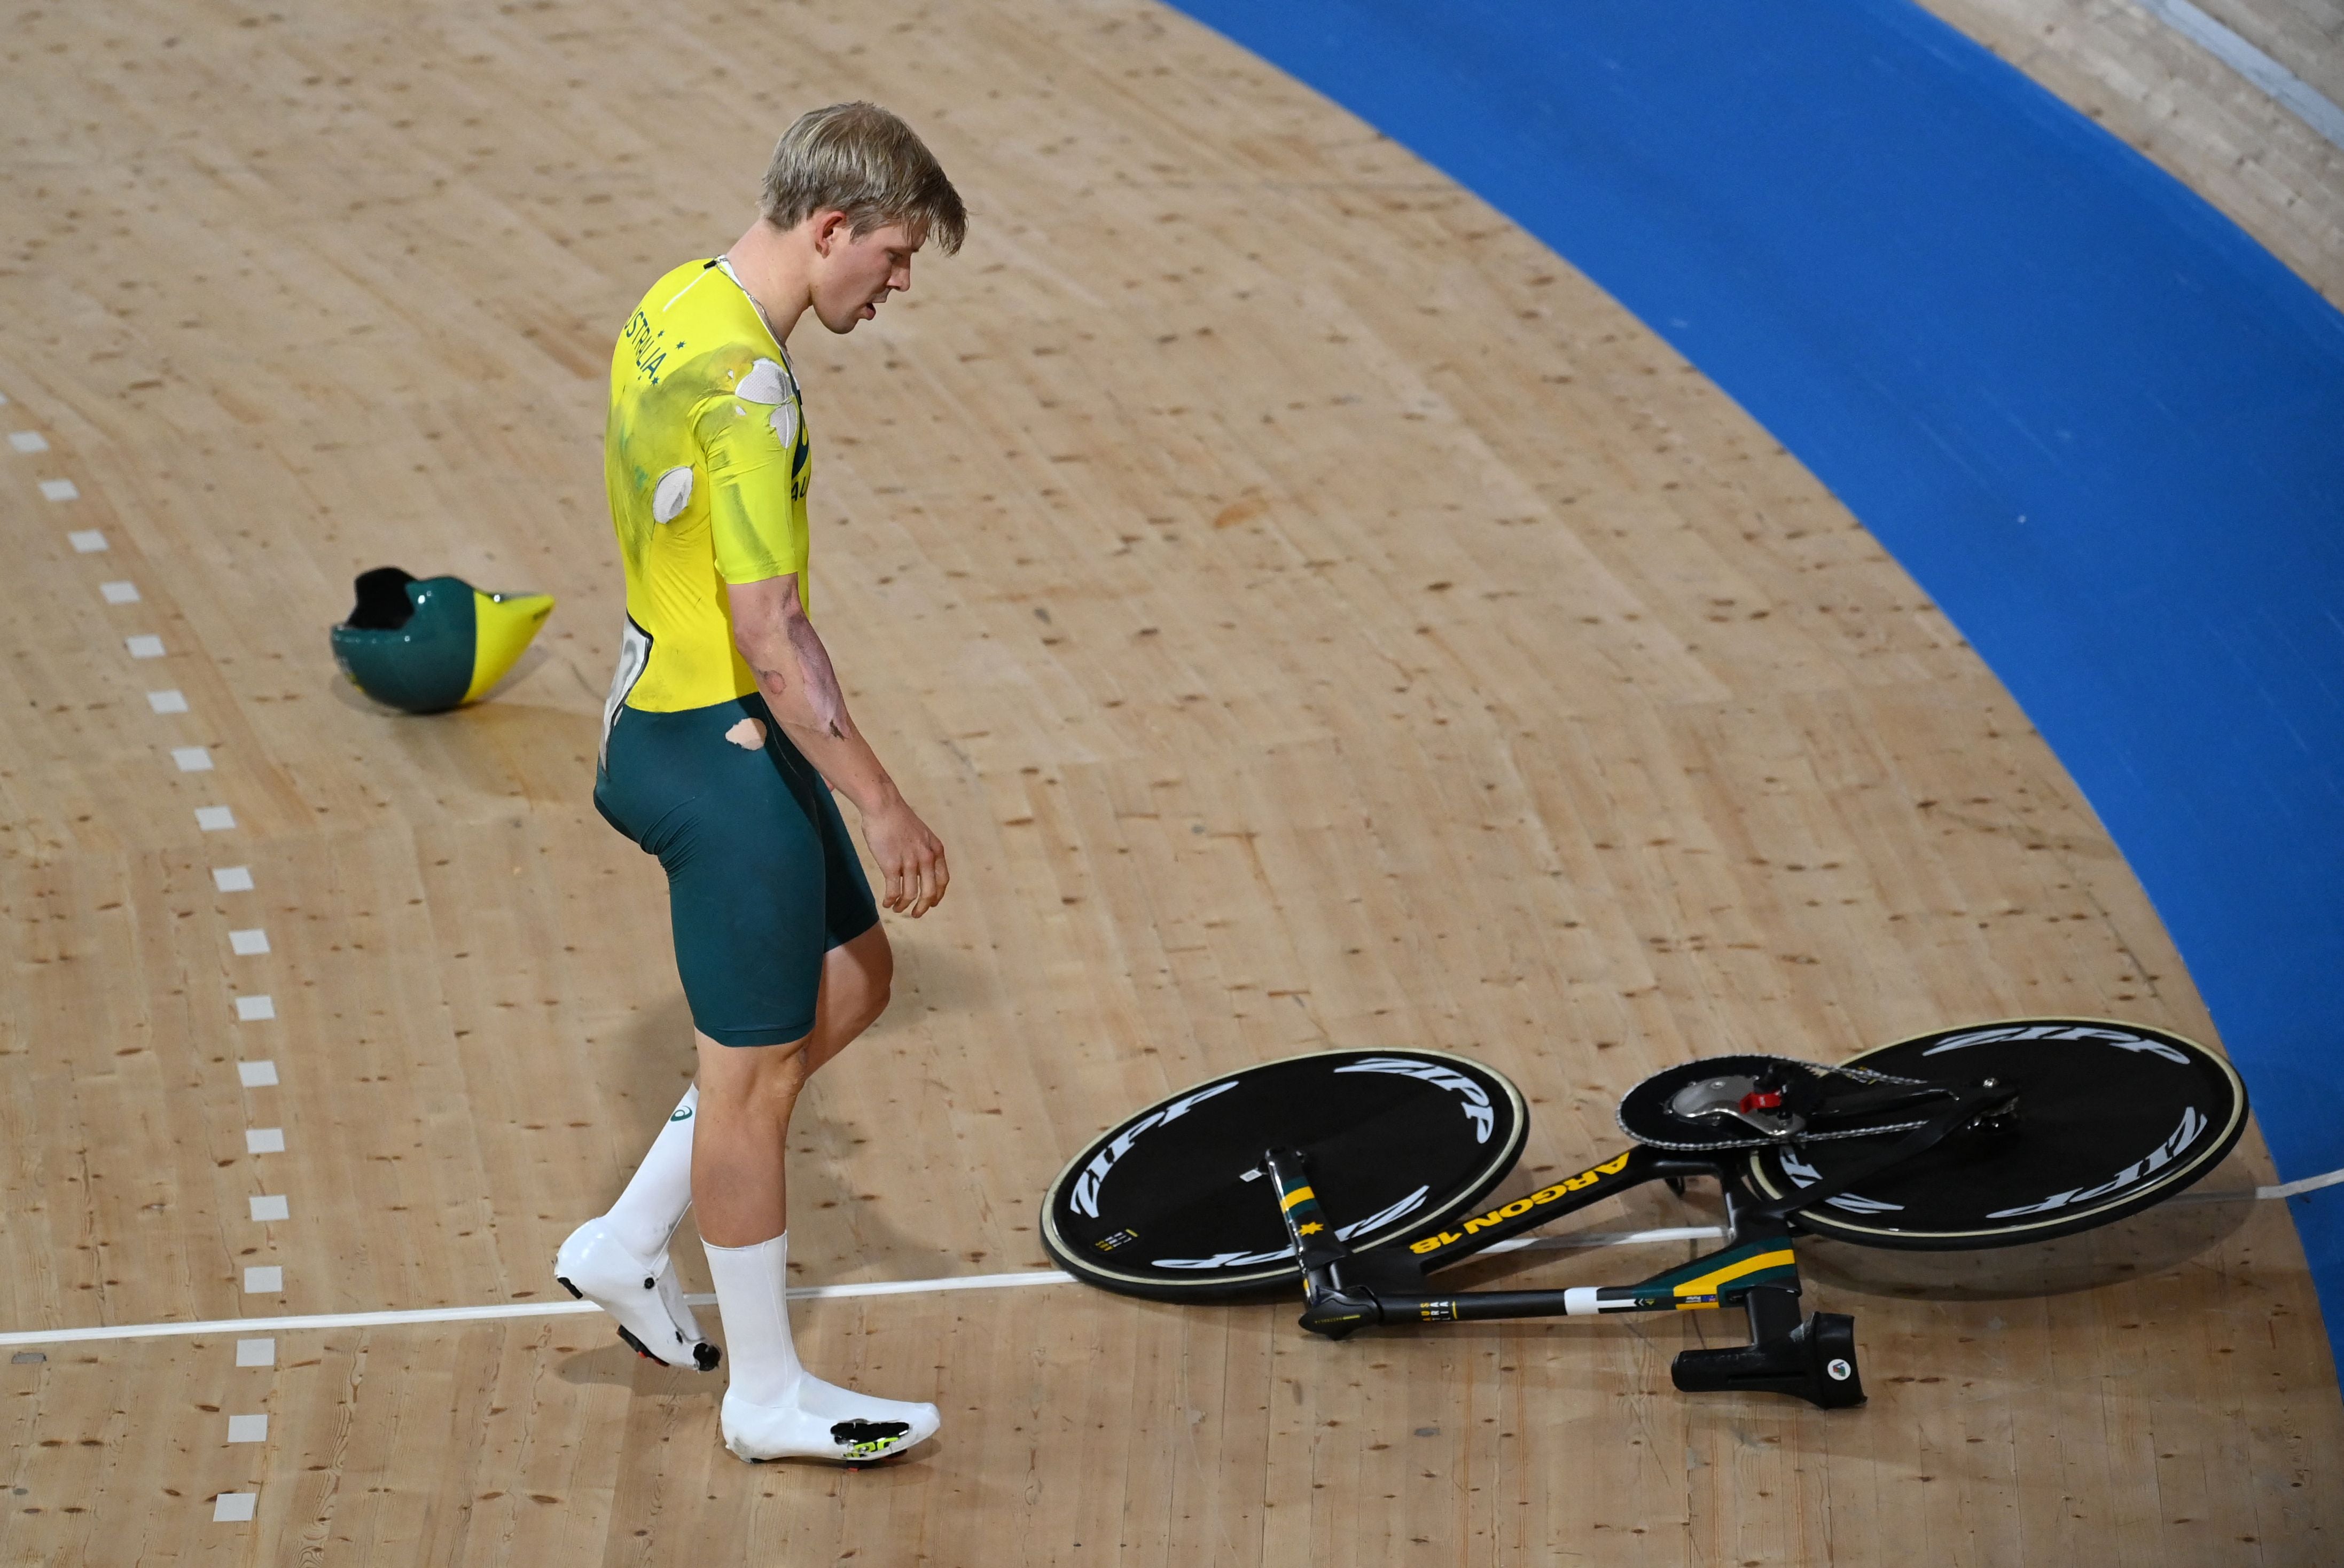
point(648, 1211)
point(751, 1284)
point(775, 1407)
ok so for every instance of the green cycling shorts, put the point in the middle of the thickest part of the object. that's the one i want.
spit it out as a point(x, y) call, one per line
point(761, 879)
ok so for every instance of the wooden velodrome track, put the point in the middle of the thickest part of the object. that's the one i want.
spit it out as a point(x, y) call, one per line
point(1311, 614)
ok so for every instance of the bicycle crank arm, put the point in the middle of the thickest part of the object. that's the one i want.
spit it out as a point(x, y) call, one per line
point(1968, 1106)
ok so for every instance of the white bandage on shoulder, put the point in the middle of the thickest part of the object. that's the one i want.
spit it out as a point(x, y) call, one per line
point(672, 494)
point(770, 384)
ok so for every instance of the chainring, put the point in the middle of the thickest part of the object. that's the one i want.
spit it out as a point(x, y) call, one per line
point(1651, 1113)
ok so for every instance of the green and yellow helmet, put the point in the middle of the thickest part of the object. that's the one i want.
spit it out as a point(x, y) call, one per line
point(429, 644)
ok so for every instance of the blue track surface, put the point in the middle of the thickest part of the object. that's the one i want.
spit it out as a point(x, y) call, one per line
point(2101, 426)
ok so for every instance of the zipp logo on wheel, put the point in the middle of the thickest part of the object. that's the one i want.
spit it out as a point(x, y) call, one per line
point(1146, 1205)
point(2183, 1136)
point(1476, 1098)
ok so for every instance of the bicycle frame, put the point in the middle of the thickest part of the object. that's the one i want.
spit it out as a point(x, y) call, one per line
point(1757, 1269)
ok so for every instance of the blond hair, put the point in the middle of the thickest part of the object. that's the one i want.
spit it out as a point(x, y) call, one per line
point(859, 159)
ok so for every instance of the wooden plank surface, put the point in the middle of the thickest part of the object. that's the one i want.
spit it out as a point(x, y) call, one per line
point(1312, 615)
point(2193, 116)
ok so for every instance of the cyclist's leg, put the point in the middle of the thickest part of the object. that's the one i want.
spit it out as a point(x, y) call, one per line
point(857, 977)
point(755, 944)
point(738, 1137)
point(738, 830)
point(757, 1088)
point(859, 969)
point(649, 772)
point(773, 1408)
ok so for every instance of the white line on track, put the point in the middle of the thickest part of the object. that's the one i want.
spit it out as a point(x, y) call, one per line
point(2267, 1194)
point(2309, 1184)
point(506, 1310)
point(1575, 1241)
point(2276, 80)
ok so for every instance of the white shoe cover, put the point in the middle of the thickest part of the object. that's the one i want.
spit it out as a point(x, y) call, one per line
point(826, 1422)
point(643, 1296)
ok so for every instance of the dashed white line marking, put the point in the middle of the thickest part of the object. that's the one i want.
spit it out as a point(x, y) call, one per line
point(145, 646)
point(253, 1009)
point(192, 758)
point(270, 1207)
point(234, 1507)
point(232, 879)
point(264, 1140)
point(247, 1429)
point(257, 1074)
point(255, 1352)
point(28, 441)
point(247, 943)
point(119, 592)
point(214, 819)
point(265, 1280)
point(87, 541)
point(60, 491)
point(172, 701)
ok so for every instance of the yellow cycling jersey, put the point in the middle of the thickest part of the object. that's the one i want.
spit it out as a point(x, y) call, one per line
point(707, 465)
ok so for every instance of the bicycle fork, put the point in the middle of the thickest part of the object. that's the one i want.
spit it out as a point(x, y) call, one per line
point(1813, 1357)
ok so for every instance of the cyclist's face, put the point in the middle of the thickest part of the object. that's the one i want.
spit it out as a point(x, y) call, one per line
point(856, 273)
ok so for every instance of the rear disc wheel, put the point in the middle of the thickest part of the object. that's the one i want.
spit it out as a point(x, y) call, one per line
point(2110, 1117)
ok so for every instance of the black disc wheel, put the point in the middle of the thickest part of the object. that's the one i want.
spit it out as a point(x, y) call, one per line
point(2109, 1119)
point(1174, 1203)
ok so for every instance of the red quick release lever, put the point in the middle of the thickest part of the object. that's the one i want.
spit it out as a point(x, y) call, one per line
point(1761, 1100)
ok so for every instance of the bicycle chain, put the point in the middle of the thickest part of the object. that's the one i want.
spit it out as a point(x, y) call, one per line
point(1861, 1074)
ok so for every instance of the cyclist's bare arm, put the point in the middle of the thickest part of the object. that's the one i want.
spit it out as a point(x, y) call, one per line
point(793, 672)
